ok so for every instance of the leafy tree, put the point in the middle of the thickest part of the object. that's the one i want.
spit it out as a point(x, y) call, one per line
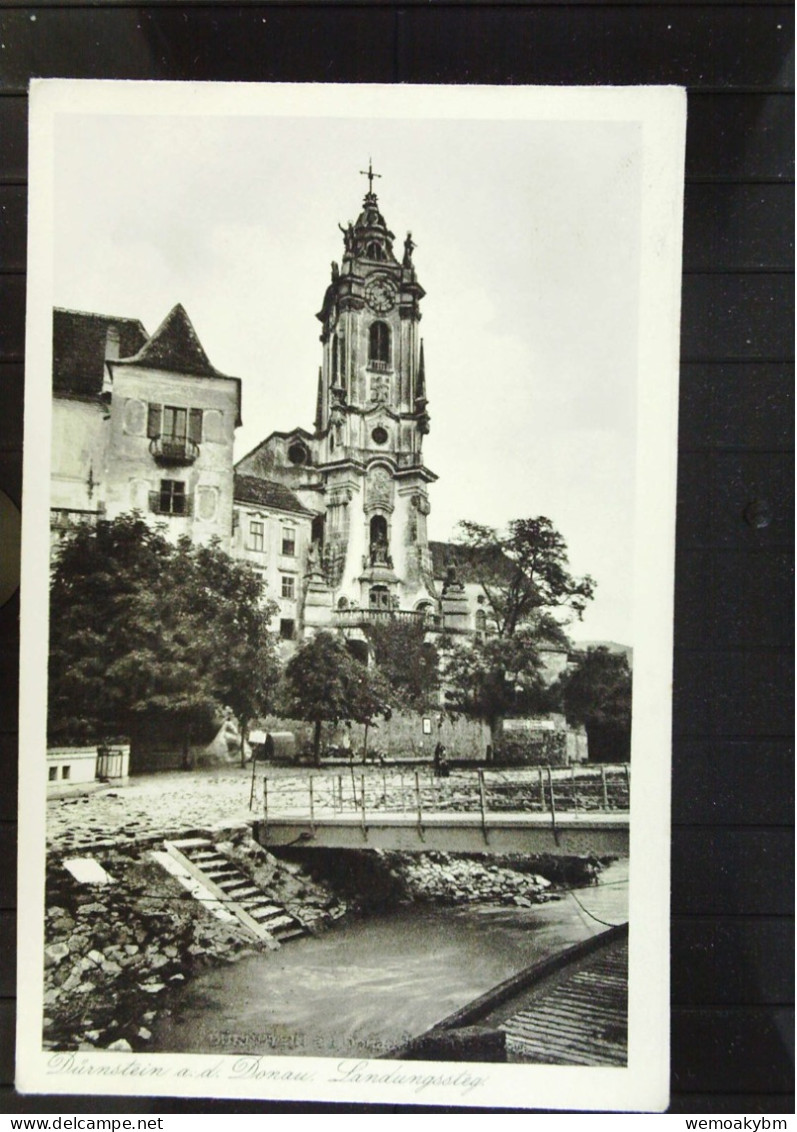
point(323, 683)
point(523, 573)
point(496, 677)
point(525, 581)
point(143, 630)
point(408, 663)
point(597, 693)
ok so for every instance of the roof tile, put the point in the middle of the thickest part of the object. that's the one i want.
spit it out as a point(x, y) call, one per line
point(267, 493)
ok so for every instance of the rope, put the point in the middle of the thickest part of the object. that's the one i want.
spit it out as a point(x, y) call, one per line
point(591, 915)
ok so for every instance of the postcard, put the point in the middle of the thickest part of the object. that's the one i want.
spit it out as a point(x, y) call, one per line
point(348, 540)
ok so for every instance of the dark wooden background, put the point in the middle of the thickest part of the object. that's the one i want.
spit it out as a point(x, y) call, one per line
point(733, 778)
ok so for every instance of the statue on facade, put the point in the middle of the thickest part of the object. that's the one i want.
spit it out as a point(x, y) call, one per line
point(379, 552)
point(409, 248)
point(348, 236)
point(452, 581)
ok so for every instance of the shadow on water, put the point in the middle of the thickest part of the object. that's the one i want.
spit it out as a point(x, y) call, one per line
point(368, 986)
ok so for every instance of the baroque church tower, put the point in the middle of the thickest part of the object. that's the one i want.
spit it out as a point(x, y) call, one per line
point(370, 423)
point(361, 471)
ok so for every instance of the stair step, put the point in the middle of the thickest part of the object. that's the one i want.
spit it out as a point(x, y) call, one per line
point(282, 935)
point(248, 900)
point(260, 911)
point(278, 922)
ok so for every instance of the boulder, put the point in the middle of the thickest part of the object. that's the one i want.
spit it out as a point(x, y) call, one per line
point(54, 953)
point(122, 1045)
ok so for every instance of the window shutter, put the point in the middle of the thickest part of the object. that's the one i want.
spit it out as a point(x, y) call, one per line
point(155, 502)
point(154, 414)
point(195, 425)
point(189, 505)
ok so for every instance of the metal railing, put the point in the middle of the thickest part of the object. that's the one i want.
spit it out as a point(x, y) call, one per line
point(174, 449)
point(354, 618)
point(381, 791)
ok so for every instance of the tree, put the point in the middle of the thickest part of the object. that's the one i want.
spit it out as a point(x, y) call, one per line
point(143, 630)
point(495, 677)
point(524, 578)
point(323, 683)
point(523, 573)
point(597, 694)
point(407, 661)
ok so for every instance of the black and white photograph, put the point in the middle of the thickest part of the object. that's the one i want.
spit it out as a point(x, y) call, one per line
point(350, 447)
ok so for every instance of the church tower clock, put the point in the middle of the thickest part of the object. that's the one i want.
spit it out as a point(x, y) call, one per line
point(371, 418)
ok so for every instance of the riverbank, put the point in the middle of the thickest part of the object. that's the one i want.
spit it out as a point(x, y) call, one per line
point(115, 950)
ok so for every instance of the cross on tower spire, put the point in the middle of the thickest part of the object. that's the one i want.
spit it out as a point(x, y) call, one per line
point(370, 175)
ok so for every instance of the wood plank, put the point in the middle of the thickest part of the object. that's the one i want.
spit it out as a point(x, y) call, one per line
point(12, 324)
point(8, 953)
point(7, 1040)
point(8, 874)
point(9, 770)
point(13, 138)
point(9, 689)
point(750, 1103)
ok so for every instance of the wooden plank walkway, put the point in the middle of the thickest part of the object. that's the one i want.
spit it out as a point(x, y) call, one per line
point(579, 1019)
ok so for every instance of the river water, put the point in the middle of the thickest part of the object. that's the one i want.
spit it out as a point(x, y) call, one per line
point(364, 988)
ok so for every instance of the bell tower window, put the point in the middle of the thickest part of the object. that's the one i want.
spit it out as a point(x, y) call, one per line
point(379, 597)
point(379, 343)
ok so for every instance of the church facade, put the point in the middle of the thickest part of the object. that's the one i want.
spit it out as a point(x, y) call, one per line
point(333, 519)
point(362, 472)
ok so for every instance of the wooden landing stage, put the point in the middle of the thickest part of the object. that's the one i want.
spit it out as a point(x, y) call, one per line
point(571, 1009)
point(604, 835)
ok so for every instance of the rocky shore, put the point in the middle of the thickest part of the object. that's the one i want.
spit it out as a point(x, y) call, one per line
point(445, 878)
point(113, 951)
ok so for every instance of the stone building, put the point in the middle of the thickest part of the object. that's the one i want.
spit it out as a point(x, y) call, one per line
point(141, 423)
point(271, 531)
point(361, 472)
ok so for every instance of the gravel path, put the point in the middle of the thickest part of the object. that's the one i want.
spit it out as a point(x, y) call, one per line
point(150, 806)
point(158, 805)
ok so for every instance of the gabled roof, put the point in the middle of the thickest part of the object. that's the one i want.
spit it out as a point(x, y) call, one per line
point(267, 493)
point(175, 347)
point(79, 348)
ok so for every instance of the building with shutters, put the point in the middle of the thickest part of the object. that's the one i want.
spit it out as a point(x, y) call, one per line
point(334, 519)
point(141, 423)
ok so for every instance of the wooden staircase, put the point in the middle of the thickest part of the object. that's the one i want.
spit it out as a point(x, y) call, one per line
point(268, 921)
